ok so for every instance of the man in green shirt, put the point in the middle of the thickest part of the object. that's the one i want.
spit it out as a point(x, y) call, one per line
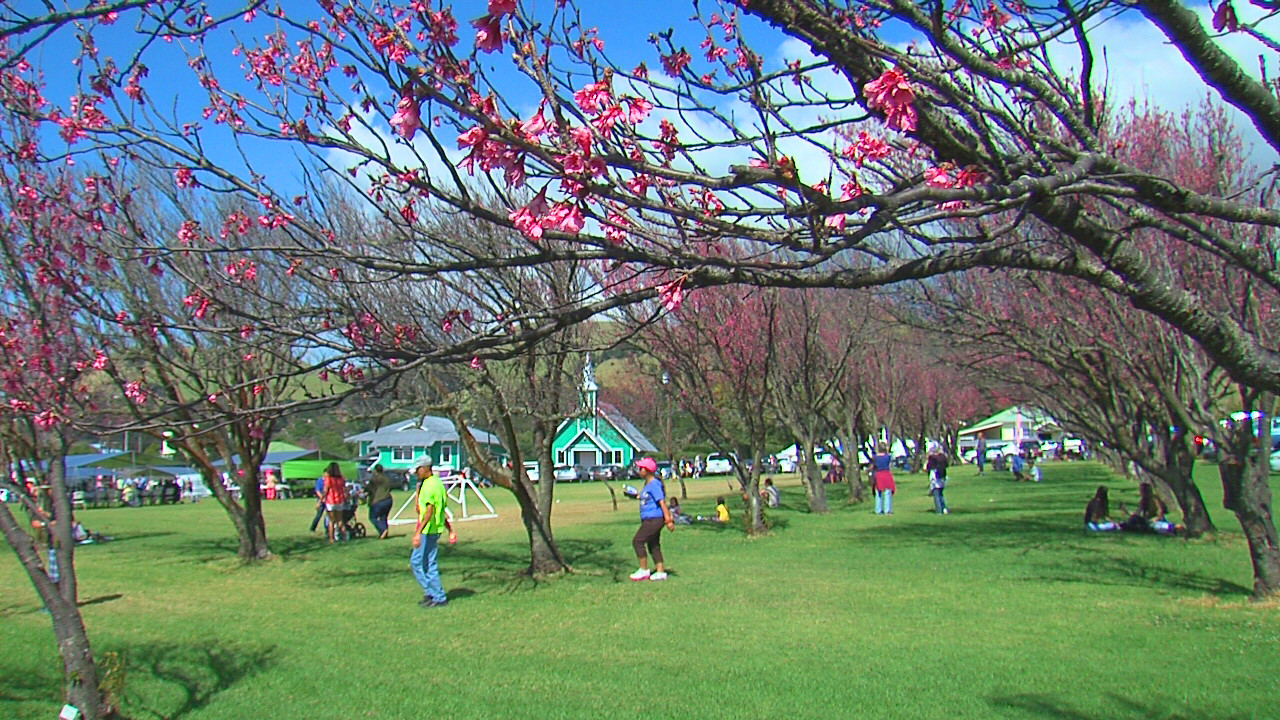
point(426, 536)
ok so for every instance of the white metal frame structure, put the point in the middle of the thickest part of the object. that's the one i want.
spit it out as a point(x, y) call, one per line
point(455, 488)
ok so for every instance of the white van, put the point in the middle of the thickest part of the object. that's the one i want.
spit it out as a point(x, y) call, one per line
point(717, 464)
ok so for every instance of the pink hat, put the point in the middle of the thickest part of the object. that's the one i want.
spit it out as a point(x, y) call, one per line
point(647, 464)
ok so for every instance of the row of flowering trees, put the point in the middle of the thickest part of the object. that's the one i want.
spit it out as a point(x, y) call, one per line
point(907, 140)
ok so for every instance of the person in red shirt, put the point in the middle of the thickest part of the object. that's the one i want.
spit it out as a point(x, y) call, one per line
point(335, 499)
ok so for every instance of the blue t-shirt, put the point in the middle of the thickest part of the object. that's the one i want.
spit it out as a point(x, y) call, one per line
point(882, 462)
point(1018, 463)
point(650, 496)
point(319, 486)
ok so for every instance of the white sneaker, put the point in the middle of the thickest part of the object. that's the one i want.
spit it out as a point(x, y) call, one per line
point(641, 574)
point(658, 576)
point(946, 511)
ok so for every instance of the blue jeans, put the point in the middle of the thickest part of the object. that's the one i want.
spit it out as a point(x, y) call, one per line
point(939, 505)
point(425, 569)
point(884, 502)
point(378, 514)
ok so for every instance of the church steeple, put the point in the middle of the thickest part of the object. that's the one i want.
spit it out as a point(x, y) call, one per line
point(589, 389)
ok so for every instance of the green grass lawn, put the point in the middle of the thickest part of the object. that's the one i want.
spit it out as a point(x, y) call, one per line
point(1003, 609)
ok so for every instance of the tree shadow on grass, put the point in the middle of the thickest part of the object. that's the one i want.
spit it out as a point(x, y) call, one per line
point(285, 548)
point(30, 685)
point(1041, 705)
point(1053, 548)
point(190, 675)
point(124, 538)
point(500, 568)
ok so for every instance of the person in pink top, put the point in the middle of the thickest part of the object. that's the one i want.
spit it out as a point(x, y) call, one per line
point(335, 498)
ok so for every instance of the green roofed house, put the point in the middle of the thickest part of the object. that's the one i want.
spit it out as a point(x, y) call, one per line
point(397, 445)
point(1011, 425)
point(600, 434)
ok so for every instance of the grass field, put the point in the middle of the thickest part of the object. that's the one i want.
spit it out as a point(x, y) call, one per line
point(1003, 609)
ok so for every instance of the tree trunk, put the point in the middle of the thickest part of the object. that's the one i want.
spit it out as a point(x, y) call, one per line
point(1176, 475)
point(853, 470)
point(756, 524)
point(1246, 492)
point(535, 509)
point(814, 491)
point(613, 495)
point(80, 674)
point(253, 533)
point(544, 555)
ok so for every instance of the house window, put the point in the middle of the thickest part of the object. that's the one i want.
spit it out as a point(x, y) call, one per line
point(446, 454)
point(560, 457)
point(617, 457)
point(401, 453)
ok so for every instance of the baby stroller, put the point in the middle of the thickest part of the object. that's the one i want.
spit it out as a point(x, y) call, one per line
point(352, 527)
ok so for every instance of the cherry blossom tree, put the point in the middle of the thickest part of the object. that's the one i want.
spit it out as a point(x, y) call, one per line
point(1105, 371)
point(719, 357)
point(47, 387)
point(904, 140)
point(970, 120)
point(813, 352)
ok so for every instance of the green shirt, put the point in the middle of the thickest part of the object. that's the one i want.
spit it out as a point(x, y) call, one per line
point(431, 492)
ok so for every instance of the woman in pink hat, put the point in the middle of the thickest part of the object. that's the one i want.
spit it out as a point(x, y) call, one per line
point(654, 513)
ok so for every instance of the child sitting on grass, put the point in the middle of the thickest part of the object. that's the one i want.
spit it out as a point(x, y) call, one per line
point(722, 513)
point(677, 515)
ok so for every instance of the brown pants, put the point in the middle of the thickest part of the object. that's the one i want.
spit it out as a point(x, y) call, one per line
point(649, 535)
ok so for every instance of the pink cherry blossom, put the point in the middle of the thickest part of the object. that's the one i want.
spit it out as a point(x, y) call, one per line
point(472, 137)
point(488, 33)
point(135, 392)
point(476, 363)
point(637, 109)
point(407, 118)
point(535, 127)
point(593, 97)
point(676, 62)
point(184, 178)
point(502, 7)
point(672, 295)
point(893, 94)
point(528, 219)
point(566, 217)
point(938, 177)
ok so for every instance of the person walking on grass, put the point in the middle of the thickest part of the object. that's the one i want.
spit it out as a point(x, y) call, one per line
point(379, 489)
point(937, 467)
point(654, 513)
point(980, 457)
point(335, 500)
point(882, 477)
point(432, 520)
point(319, 493)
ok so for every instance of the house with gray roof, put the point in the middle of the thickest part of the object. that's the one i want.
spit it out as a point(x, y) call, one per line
point(398, 444)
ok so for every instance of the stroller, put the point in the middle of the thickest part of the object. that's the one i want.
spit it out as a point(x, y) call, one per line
point(351, 527)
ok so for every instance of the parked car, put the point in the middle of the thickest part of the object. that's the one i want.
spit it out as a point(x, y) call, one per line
point(717, 464)
point(993, 452)
point(1275, 461)
point(666, 470)
point(606, 472)
point(532, 470)
point(571, 473)
point(1026, 448)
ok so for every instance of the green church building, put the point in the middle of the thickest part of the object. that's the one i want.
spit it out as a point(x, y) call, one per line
point(599, 434)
